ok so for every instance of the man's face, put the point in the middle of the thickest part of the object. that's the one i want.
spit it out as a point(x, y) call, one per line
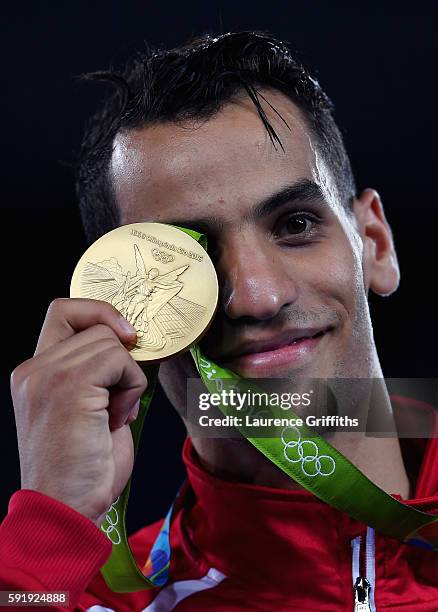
point(289, 257)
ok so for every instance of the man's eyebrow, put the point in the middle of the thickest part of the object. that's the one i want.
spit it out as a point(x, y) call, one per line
point(299, 192)
point(203, 225)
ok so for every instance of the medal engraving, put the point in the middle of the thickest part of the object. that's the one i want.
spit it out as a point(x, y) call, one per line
point(169, 308)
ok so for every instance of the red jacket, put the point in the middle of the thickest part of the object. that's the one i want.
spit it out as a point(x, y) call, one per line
point(234, 547)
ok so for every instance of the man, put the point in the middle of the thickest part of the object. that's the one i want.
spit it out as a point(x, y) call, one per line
point(232, 137)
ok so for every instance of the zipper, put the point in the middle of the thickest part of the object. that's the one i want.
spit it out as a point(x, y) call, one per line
point(363, 572)
point(362, 595)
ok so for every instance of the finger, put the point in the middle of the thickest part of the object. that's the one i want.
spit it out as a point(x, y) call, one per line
point(67, 316)
point(103, 374)
point(115, 369)
point(71, 345)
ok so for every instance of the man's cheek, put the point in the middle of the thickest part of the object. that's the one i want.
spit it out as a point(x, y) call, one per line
point(341, 280)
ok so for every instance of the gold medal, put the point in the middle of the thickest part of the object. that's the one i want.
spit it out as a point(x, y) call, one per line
point(159, 278)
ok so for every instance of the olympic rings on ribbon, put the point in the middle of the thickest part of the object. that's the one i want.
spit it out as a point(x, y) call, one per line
point(112, 525)
point(307, 454)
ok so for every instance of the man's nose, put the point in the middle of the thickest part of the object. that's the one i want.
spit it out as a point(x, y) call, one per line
point(255, 278)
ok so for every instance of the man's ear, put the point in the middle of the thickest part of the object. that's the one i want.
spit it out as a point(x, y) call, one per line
point(381, 270)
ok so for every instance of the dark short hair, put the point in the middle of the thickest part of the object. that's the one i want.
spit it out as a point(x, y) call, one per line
point(195, 81)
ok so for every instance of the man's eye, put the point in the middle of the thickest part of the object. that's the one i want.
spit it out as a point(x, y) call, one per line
point(295, 225)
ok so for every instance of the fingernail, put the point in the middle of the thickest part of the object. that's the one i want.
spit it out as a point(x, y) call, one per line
point(136, 410)
point(127, 327)
point(134, 413)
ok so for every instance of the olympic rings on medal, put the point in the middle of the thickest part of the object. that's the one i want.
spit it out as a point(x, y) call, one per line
point(112, 524)
point(307, 452)
point(162, 256)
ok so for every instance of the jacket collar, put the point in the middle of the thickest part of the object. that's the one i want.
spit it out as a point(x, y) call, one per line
point(282, 540)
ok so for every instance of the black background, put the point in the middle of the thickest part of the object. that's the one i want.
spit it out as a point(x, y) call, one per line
point(377, 62)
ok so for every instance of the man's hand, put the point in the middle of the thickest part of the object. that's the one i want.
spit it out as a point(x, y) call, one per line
point(73, 404)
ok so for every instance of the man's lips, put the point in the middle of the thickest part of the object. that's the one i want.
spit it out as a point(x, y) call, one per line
point(262, 357)
point(273, 343)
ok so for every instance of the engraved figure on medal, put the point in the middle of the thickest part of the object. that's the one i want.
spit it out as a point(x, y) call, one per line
point(148, 300)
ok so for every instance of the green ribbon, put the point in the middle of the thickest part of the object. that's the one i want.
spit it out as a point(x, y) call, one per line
point(336, 481)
